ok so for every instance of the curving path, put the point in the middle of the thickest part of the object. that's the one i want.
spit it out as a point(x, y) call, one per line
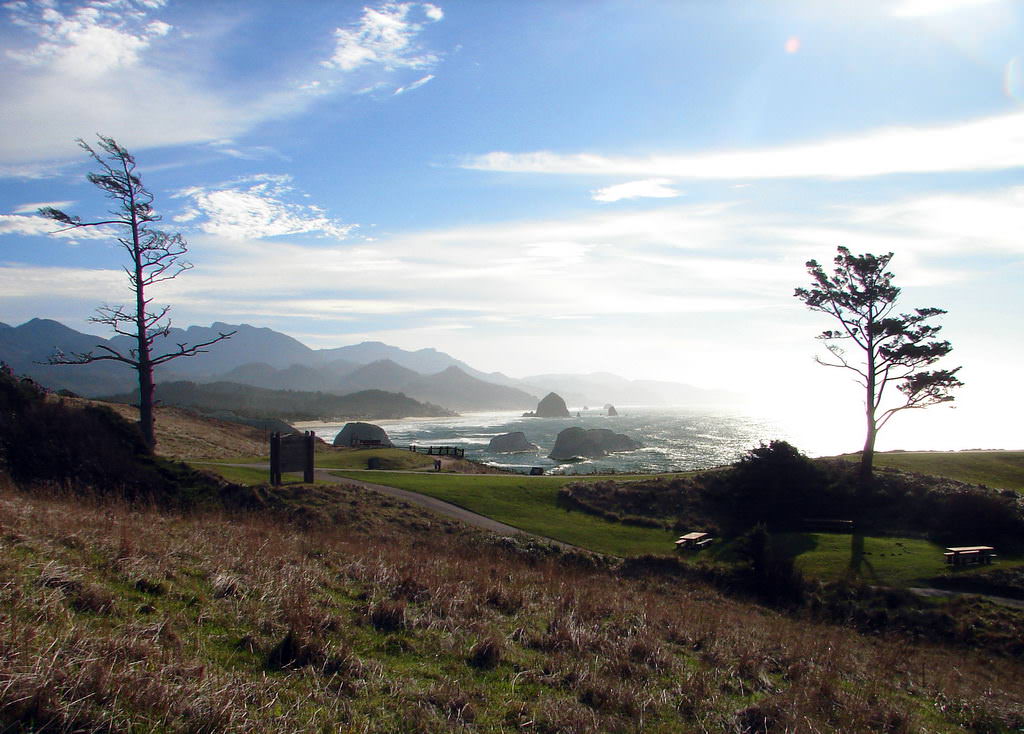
point(430, 503)
point(482, 521)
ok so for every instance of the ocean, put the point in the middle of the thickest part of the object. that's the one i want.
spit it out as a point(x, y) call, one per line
point(673, 439)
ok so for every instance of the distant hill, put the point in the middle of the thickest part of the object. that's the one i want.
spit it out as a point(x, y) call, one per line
point(27, 347)
point(289, 405)
point(458, 390)
point(381, 375)
point(598, 388)
point(265, 358)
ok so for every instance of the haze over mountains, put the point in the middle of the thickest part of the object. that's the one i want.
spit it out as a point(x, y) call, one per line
point(262, 357)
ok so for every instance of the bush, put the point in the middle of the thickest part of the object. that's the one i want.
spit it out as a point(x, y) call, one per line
point(49, 441)
point(777, 485)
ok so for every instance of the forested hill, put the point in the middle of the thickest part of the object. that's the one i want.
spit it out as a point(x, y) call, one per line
point(288, 405)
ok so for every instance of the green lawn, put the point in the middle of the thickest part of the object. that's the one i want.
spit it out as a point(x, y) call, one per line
point(246, 474)
point(331, 458)
point(885, 561)
point(529, 503)
point(1002, 469)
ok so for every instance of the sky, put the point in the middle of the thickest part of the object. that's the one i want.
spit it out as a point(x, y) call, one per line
point(538, 187)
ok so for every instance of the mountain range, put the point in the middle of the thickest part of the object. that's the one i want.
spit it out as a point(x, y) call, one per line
point(262, 357)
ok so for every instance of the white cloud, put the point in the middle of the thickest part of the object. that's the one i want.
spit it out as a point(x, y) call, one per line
point(93, 40)
point(653, 188)
point(385, 36)
point(255, 208)
point(24, 281)
point(921, 8)
point(33, 207)
point(35, 225)
point(992, 143)
point(70, 69)
point(415, 85)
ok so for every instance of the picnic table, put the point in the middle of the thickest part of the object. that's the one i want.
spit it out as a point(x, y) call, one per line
point(969, 554)
point(693, 540)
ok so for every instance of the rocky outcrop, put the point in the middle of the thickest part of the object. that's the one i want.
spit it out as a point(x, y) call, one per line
point(590, 443)
point(354, 433)
point(612, 411)
point(511, 443)
point(552, 406)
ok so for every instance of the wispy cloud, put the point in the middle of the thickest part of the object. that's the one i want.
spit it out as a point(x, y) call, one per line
point(35, 225)
point(386, 36)
point(256, 207)
point(991, 143)
point(116, 66)
point(415, 85)
point(921, 8)
point(33, 207)
point(92, 40)
point(653, 188)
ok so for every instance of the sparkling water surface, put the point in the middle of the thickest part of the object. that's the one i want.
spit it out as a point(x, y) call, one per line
point(673, 439)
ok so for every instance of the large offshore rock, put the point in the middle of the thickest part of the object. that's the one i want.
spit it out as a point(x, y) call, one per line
point(353, 434)
point(612, 411)
point(590, 443)
point(511, 443)
point(552, 406)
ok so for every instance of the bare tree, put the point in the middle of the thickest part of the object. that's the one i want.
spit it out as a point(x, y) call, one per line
point(155, 256)
point(894, 347)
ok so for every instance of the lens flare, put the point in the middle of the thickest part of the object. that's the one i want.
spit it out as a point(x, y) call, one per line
point(792, 45)
point(1013, 79)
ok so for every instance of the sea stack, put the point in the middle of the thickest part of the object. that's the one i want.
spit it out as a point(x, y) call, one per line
point(511, 443)
point(612, 411)
point(590, 444)
point(552, 406)
point(355, 434)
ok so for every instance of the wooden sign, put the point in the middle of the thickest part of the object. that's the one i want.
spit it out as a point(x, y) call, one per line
point(291, 453)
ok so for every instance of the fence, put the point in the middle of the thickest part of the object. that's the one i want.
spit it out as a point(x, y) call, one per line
point(455, 451)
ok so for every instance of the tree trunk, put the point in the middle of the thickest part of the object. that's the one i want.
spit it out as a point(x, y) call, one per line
point(867, 457)
point(146, 419)
point(145, 366)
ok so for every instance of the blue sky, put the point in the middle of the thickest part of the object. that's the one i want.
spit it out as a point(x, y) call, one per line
point(540, 186)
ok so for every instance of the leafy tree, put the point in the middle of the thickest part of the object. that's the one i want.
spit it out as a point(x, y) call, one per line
point(155, 256)
point(893, 348)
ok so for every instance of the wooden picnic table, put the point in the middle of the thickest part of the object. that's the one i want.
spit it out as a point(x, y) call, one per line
point(691, 539)
point(969, 554)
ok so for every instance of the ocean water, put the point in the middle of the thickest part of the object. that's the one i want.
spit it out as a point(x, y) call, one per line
point(673, 439)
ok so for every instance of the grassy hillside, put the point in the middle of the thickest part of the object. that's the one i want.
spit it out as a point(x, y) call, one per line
point(531, 504)
point(119, 618)
point(1001, 469)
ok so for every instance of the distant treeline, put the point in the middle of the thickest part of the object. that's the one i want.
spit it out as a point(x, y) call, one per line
point(288, 405)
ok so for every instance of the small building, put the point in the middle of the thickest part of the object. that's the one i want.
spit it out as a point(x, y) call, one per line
point(969, 555)
point(693, 541)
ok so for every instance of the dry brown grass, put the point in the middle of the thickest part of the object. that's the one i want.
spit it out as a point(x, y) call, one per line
point(187, 436)
point(115, 618)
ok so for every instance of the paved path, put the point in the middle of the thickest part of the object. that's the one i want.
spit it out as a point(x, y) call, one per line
point(431, 503)
point(414, 498)
point(945, 593)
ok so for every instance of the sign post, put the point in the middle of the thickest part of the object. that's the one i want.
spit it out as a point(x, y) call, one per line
point(291, 453)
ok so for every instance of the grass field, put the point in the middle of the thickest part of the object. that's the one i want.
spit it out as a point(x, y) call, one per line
point(1002, 469)
point(331, 458)
point(529, 503)
point(883, 561)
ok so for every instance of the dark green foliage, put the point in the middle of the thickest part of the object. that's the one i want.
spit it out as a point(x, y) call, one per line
point(777, 485)
point(773, 575)
point(46, 441)
point(486, 653)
